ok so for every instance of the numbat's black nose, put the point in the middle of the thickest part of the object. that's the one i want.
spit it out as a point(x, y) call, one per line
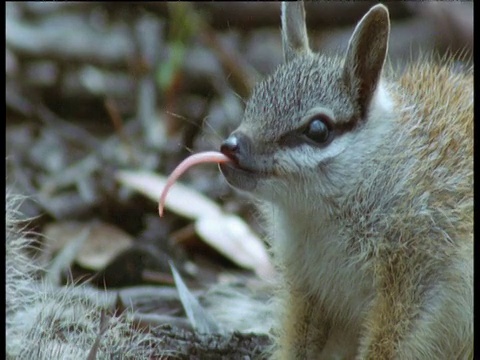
point(230, 147)
point(238, 148)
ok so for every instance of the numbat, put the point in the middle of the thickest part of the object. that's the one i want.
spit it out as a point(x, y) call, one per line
point(366, 181)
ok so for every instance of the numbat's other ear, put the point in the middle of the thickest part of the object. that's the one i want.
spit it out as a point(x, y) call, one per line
point(294, 29)
point(366, 55)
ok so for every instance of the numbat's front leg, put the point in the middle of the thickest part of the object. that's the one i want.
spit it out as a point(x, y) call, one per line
point(420, 314)
point(299, 332)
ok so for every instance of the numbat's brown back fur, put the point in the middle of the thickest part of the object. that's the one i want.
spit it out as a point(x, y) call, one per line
point(366, 181)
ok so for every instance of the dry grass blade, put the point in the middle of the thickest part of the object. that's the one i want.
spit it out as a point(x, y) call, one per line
point(92, 355)
point(199, 318)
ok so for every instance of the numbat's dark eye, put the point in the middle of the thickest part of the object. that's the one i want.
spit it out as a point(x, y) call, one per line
point(318, 130)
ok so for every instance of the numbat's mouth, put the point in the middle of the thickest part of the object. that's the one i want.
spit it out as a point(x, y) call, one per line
point(240, 177)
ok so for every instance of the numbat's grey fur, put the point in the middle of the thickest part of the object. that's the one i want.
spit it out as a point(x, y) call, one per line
point(366, 180)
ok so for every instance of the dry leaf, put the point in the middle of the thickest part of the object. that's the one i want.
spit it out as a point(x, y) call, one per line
point(232, 237)
point(181, 199)
point(102, 244)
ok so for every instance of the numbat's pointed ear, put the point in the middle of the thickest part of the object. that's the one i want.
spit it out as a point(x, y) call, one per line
point(294, 29)
point(366, 55)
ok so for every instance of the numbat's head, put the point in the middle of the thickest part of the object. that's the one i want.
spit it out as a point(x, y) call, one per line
point(307, 127)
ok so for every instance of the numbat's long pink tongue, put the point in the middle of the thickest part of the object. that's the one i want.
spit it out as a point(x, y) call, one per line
point(203, 157)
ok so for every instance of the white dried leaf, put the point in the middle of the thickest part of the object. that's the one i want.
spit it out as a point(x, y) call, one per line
point(181, 199)
point(233, 238)
point(102, 244)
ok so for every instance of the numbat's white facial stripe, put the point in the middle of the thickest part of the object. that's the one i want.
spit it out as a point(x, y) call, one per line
point(306, 156)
